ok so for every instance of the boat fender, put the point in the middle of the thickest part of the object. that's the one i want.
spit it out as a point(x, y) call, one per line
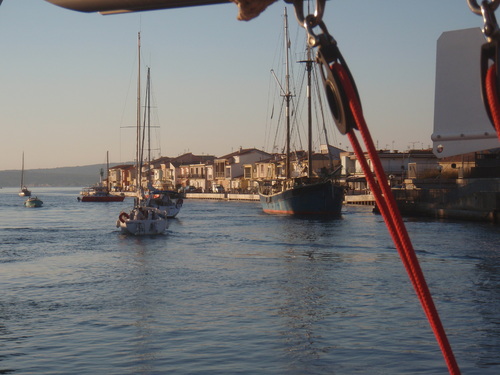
point(179, 202)
point(123, 216)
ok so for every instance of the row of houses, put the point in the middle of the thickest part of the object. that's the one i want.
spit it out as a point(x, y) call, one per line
point(241, 171)
point(238, 171)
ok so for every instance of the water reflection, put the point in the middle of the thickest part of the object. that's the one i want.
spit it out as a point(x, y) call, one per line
point(142, 307)
point(307, 298)
point(486, 298)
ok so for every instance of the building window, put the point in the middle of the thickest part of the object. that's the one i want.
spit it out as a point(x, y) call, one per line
point(219, 169)
point(247, 173)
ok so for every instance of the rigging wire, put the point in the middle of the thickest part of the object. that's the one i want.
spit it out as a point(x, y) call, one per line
point(155, 121)
point(126, 105)
point(322, 122)
point(275, 132)
point(273, 93)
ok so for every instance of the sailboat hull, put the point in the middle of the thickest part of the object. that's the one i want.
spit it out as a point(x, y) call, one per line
point(142, 221)
point(323, 198)
point(143, 227)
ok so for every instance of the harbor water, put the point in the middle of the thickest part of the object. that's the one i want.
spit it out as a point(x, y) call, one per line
point(231, 290)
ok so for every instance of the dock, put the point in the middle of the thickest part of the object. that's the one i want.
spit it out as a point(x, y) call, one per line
point(360, 199)
point(224, 196)
point(363, 199)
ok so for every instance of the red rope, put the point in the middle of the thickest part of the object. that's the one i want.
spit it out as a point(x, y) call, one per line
point(393, 219)
point(492, 96)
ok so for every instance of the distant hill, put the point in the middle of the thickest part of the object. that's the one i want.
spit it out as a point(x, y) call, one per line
point(65, 176)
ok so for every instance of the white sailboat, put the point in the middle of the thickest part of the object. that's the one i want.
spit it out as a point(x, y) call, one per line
point(141, 220)
point(164, 200)
point(24, 192)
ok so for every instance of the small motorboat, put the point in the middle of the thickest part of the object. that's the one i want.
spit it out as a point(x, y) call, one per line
point(33, 202)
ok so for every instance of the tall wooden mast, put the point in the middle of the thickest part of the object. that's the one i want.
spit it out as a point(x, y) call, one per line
point(288, 97)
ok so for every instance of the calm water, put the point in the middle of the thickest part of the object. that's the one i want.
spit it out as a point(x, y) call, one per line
point(230, 290)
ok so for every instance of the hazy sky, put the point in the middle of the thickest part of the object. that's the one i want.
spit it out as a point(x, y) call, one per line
point(67, 79)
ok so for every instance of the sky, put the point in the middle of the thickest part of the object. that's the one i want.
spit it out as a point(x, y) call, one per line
point(67, 79)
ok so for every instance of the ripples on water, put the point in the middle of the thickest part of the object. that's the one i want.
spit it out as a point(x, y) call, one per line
point(230, 290)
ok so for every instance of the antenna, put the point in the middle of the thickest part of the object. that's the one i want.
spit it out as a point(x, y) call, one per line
point(413, 144)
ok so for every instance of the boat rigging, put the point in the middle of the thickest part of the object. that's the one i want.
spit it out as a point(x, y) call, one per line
point(297, 193)
point(142, 219)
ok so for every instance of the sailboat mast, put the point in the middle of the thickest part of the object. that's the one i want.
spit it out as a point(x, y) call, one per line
point(147, 122)
point(148, 108)
point(138, 135)
point(107, 171)
point(287, 98)
point(22, 173)
point(309, 63)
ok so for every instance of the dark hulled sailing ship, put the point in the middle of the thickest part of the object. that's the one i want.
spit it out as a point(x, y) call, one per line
point(304, 195)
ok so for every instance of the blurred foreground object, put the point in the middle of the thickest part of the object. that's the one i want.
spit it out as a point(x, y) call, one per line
point(126, 6)
point(461, 124)
point(248, 9)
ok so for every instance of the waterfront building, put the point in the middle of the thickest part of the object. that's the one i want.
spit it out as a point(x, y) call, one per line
point(229, 169)
point(398, 166)
point(122, 177)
